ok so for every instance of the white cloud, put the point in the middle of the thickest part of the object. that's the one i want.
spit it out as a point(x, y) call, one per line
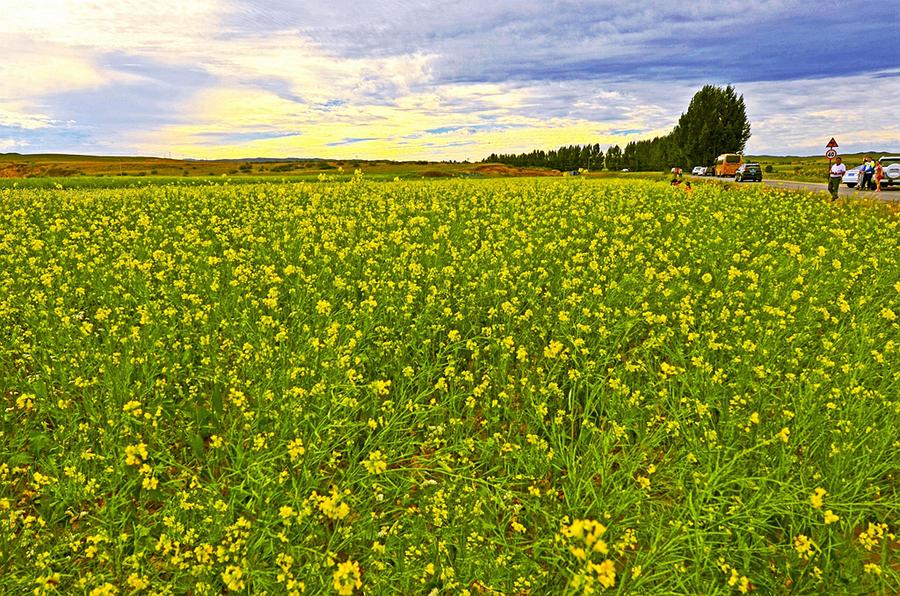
point(801, 116)
point(507, 75)
point(113, 25)
point(466, 122)
point(14, 117)
point(7, 145)
point(42, 69)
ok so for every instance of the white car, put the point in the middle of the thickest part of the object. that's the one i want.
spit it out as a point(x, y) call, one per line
point(891, 165)
point(851, 177)
point(699, 171)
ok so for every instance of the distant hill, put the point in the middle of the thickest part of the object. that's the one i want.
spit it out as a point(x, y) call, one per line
point(51, 165)
point(39, 165)
point(19, 165)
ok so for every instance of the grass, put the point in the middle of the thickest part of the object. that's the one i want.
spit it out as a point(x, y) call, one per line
point(46, 171)
point(463, 387)
point(17, 166)
point(128, 181)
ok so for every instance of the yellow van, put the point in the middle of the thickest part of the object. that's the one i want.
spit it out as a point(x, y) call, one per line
point(728, 163)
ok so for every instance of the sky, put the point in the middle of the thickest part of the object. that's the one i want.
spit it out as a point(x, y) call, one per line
point(435, 80)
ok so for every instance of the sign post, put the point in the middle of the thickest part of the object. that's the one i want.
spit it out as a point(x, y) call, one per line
point(830, 152)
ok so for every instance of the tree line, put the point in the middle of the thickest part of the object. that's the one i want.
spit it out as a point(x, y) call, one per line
point(714, 123)
point(570, 157)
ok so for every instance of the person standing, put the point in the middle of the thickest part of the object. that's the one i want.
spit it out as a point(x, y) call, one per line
point(879, 175)
point(867, 170)
point(834, 177)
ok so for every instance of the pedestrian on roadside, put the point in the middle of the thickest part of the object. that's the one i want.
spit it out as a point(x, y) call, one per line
point(834, 178)
point(879, 175)
point(866, 170)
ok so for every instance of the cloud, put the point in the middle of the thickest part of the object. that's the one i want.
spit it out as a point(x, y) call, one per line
point(418, 79)
point(7, 145)
point(161, 26)
point(15, 115)
point(801, 116)
point(566, 40)
point(454, 121)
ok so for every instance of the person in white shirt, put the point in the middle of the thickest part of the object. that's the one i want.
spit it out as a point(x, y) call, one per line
point(834, 178)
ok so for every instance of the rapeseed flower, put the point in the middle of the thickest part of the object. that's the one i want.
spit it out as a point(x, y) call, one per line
point(817, 498)
point(135, 455)
point(233, 578)
point(476, 356)
point(803, 545)
point(375, 464)
point(347, 578)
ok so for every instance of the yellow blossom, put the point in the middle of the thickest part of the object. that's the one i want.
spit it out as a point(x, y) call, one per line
point(332, 505)
point(106, 589)
point(347, 578)
point(803, 545)
point(296, 449)
point(233, 578)
point(817, 498)
point(135, 455)
point(375, 464)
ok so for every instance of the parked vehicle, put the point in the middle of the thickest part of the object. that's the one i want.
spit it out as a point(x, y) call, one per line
point(727, 164)
point(891, 165)
point(851, 177)
point(751, 172)
point(699, 171)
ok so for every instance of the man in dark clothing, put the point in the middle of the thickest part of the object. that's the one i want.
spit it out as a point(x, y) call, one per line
point(834, 178)
point(866, 171)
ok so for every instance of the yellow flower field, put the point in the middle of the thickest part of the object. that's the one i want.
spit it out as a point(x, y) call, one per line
point(455, 387)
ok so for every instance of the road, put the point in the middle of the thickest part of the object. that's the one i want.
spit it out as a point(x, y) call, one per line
point(890, 194)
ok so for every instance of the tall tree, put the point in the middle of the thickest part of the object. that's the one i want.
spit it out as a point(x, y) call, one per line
point(714, 123)
point(614, 158)
point(569, 157)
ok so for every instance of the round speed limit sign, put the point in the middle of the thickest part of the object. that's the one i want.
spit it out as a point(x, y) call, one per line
point(831, 154)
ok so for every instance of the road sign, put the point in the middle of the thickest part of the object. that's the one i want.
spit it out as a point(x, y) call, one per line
point(832, 143)
point(831, 154)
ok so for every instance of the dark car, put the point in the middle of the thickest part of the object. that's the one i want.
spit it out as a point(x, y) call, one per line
point(751, 172)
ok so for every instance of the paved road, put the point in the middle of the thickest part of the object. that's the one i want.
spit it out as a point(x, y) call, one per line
point(890, 194)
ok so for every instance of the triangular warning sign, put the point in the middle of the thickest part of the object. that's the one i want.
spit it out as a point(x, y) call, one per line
point(832, 143)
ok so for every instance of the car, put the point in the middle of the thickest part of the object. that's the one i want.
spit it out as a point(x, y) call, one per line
point(625, 170)
point(851, 177)
point(748, 171)
point(699, 171)
point(891, 165)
